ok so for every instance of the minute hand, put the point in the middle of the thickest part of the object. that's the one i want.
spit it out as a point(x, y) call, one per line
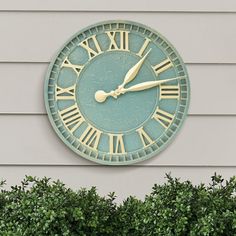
point(147, 85)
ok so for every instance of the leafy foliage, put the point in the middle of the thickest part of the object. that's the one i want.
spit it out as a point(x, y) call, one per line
point(37, 207)
point(42, 207)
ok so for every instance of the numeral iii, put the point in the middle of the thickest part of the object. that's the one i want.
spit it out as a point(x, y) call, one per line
point(169, 91)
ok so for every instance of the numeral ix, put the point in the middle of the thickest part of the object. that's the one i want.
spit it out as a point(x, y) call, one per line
point(65, 93)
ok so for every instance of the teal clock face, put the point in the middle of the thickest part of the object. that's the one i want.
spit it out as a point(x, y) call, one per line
point(117, 93)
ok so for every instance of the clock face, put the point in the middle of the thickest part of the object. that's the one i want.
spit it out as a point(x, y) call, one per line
point(117, 93)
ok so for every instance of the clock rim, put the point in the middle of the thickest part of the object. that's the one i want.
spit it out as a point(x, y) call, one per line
point(105, 162)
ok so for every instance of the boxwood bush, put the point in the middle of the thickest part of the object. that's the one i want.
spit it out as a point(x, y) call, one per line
point(43, 207)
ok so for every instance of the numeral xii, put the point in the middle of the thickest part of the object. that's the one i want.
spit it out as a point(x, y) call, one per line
point(119, 40)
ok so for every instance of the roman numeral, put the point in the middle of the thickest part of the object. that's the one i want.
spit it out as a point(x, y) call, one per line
point(163, 117)
point(123, 40)
point(144, 46)
point(76, 68)
point(116, 144)
point(91, 137)
point(145, 138)
point(164, 65)
point(169, 91)
point(71, 117)
point(86, 44)
point(65, 93)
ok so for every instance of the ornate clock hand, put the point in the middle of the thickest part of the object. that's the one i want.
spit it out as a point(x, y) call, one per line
point(101, 96)
point(146, 85)
point(131, 74)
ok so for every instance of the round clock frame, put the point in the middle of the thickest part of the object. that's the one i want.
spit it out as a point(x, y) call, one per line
point(146, 98)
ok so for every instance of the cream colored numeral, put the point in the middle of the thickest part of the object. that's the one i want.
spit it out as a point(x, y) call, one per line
point(71, 117)
point(76, 68)
point(144, 46)
point(145, 138)
point(91, 137)
point(164, 65)
point(169, 91)
point(92, 52)
point(116, 144)
point(65, 93)
point(163, 117)
point(123, 40)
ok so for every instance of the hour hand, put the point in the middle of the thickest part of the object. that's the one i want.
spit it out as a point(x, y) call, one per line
point(131, 74)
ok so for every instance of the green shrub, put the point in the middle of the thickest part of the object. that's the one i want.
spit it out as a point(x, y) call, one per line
point(42, 207)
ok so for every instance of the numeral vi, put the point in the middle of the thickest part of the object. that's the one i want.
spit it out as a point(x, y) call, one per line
point(116, 144)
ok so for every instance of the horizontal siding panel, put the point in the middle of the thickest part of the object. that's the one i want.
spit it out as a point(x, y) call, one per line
point(36, 36)
point(203, 141)
point(122, 5)
point(212, 88)
point(125, 181)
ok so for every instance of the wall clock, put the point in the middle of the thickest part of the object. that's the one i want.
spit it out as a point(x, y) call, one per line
point(117, 93)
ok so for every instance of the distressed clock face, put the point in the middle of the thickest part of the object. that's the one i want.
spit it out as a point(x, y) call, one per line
point(117, 93)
